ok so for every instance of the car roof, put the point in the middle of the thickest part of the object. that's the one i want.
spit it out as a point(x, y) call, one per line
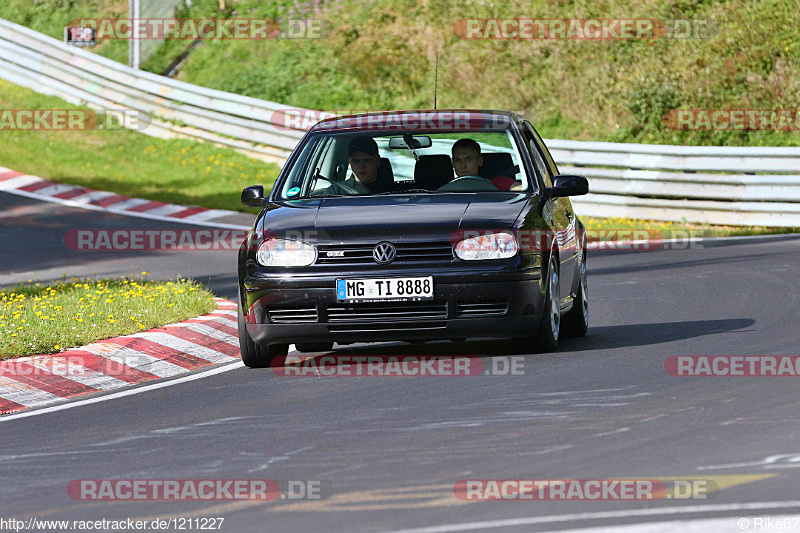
point(422, 120)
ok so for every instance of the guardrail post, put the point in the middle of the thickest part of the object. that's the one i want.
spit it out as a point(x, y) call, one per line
point(134, 44)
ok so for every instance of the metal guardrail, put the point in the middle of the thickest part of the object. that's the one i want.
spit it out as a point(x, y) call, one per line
point(180, 109)
point(720, 185)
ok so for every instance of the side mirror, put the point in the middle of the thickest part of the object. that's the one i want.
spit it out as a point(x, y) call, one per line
point(566, 185)
point(253, 196)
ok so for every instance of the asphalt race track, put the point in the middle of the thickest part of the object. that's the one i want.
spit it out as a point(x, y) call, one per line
point(388, 450)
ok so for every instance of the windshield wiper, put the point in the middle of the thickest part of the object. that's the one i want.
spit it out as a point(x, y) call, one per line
point(327, 196)
point(407, 191)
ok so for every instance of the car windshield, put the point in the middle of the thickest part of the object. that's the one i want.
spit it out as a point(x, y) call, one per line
point(370, 163)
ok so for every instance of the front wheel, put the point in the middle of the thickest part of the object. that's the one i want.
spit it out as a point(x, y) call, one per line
point(254, 355)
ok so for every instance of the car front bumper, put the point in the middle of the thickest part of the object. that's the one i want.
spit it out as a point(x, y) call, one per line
point(282, 308)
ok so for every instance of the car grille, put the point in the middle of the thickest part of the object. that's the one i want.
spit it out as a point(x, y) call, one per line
point(472, 308)
point(353, 254)
point(387, 311)
point(292, 314)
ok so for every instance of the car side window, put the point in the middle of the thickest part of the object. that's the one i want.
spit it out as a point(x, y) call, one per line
point(538, 161)
point(547, 157)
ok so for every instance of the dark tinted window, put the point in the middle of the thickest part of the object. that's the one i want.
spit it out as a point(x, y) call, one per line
point(545, 175)
point(547, 157)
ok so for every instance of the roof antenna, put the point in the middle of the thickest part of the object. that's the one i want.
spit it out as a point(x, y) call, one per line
point(436, 81)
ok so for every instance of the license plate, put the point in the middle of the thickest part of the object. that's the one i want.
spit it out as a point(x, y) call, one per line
point(382, 289)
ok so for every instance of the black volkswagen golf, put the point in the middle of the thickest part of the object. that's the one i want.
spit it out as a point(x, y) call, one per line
point(413, 226)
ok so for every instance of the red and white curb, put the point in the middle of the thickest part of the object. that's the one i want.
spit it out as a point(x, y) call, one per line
point(21, 184)
point(121, 361)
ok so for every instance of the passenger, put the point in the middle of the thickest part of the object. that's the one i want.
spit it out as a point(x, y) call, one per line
point(364, 160)
point(467, 159)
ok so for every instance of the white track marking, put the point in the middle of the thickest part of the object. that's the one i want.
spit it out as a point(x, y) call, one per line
point(88, 377)
point(90, 197)
point(222, 320)
point(206, 215)
point(222, 316)
point(214, 333)
point(187, 347)
point(19, 181)
point(165, 210)
point(694, 526)
point(7, 186)
point(135, 359)
point(792, 458)
point(553, 519)
point(225, 312)
point(56, 188)
point(124, 205)
point(24, 394)
point(129, 392)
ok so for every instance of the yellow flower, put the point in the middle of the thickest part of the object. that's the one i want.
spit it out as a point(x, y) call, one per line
point(57, 347)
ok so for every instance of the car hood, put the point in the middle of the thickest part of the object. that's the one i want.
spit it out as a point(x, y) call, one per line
point(399, 217)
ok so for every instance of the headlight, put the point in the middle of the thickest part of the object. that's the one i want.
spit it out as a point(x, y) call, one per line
point(490, 246)
point(283, 253)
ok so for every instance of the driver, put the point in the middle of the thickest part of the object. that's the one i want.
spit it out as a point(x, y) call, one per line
point(467, 159)
point(364, 160)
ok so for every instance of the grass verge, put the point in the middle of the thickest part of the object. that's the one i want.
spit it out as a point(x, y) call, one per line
point(127, 162)
point(51, 16)
point(616, 228)
point(47, 318)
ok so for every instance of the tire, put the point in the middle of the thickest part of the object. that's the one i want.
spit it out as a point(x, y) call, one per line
point(255, 355)
point(307, 347)
point(576, 322)
point(545, 339)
